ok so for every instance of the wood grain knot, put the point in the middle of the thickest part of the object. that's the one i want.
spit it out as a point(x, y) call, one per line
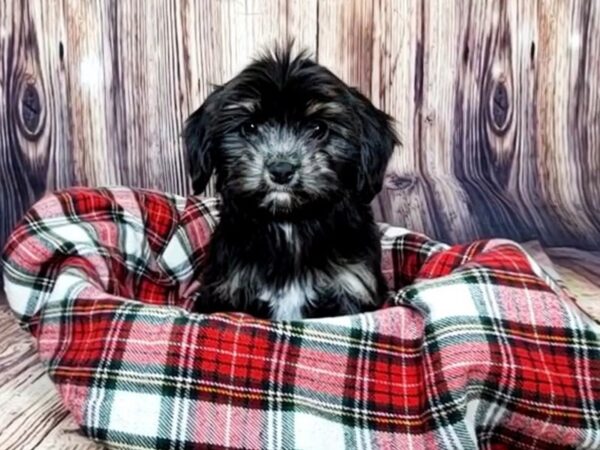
point(30, 111)
point(399, 183)
point(500, 107)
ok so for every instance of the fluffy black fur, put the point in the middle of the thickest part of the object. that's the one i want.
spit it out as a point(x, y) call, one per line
point(298, 157)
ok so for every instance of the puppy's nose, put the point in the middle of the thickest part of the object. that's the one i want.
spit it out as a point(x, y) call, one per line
point(281, 172)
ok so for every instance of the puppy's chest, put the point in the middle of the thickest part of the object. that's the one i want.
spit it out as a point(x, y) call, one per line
point(290, 300)
point(312, 289)
point(297, 276)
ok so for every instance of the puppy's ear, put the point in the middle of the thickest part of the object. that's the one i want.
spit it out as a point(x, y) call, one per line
point(199, 143)
point(377, 141)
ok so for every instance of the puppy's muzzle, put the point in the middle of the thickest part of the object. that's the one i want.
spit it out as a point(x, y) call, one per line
point(281, 172)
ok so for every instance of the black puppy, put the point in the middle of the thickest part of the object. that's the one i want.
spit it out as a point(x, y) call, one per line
point(298, 157)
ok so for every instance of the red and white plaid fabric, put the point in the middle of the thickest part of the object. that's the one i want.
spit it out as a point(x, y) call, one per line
point(478, 350)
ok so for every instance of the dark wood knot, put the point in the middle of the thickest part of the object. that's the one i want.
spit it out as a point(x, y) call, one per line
point(30, 111)
point(500, 107)
point(399, 183)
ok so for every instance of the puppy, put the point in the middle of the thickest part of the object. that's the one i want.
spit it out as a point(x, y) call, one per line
point(298, 157)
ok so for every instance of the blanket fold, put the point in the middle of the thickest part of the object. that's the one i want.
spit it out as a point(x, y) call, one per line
point(478, 348)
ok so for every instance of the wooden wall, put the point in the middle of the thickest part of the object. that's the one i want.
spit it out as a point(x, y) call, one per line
point(497, 102)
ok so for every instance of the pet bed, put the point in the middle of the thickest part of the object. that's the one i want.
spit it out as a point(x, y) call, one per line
point(478, 348)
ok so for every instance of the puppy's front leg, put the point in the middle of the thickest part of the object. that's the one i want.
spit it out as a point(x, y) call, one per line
point(211, 301)
point(332, 303)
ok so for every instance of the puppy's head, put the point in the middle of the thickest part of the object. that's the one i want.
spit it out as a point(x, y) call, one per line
point(285, 136)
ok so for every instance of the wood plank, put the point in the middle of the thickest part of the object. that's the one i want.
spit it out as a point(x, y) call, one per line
point(124, 93)
point(19, 364)
point(22, 171)
point(476, 152)
point(568, 114)
point(456, 45)
point(66, 436)
point(345, 40)
point(575, 270)
point(32, 415)
point(401, 84)
point(580, 272)
point(302, 24)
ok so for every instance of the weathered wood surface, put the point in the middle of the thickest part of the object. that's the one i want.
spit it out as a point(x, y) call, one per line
point(580, 271)
point(497, 102)
point(576, 270)
point(31, 414)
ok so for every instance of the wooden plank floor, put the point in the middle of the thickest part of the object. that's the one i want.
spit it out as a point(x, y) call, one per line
point(32, 417)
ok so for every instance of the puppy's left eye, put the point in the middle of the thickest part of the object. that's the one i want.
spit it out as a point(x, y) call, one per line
point(318, 129)
point(249, 128)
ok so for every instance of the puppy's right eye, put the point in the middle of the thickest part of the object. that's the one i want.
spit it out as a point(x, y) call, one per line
point(249, 128)
point(318, 129)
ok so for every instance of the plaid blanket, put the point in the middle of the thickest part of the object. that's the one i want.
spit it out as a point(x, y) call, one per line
point(479, 349)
